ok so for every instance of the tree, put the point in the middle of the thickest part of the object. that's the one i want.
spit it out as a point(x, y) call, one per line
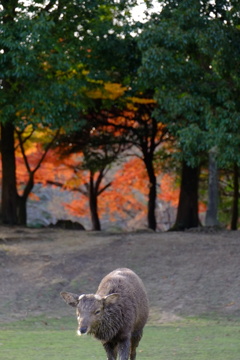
point(143, 132)
point(45, 49)
point(29, 48)
point(137, 128)
point(31, 167)
point(226, 117)
point(109, 134)
point(183, 49)
point(99, 147)
point(98, 154)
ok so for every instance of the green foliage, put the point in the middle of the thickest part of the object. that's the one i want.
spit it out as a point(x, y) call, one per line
point(51, 54)
point(45, 50)
point(31, 59)
point(191, 60)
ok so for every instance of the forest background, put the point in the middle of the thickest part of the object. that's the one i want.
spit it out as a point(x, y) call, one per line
point(108, 119)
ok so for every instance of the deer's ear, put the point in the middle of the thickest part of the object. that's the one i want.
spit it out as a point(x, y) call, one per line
point(111, 298)
point(70, 299)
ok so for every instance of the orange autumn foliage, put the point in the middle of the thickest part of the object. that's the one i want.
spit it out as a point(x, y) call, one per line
point(126, 196)
point(168, 190)
point(129, 190)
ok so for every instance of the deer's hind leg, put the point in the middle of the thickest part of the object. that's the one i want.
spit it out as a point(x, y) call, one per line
point(136, 337)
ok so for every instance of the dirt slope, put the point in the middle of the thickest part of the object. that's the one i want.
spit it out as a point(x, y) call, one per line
point(184, 273)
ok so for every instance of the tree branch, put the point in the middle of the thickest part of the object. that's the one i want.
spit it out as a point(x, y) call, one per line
point(104, 188)
point(19, 134)
point(23, 151)
point(61, 185)
point(46, 150)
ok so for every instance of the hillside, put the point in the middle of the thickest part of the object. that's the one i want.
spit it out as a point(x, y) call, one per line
point(185, 273)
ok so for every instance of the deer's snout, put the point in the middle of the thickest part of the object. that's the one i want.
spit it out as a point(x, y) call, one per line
point(82, 330)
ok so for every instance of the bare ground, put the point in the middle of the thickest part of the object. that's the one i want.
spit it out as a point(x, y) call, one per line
point(185, 273)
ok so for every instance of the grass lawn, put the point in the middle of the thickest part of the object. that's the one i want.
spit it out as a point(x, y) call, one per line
point(195, 339)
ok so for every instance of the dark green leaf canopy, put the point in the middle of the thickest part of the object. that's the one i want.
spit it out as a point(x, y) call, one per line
point(191, 60)
point(46, 50)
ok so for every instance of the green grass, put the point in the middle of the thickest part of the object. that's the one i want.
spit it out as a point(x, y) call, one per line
point(195, 339)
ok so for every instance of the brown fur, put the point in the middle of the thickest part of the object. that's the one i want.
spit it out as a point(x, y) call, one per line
point(116, 314)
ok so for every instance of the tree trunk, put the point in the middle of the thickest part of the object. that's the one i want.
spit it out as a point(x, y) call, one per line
point(93, 194)
point(187, 214)
point(9, 189)
point(152, 194)
point(211, 215)
point(22, 201)
point(22, 211)
point(152, 224)
point(234, 221)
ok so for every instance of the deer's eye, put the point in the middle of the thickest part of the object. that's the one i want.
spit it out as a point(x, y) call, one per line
point(97, 312)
